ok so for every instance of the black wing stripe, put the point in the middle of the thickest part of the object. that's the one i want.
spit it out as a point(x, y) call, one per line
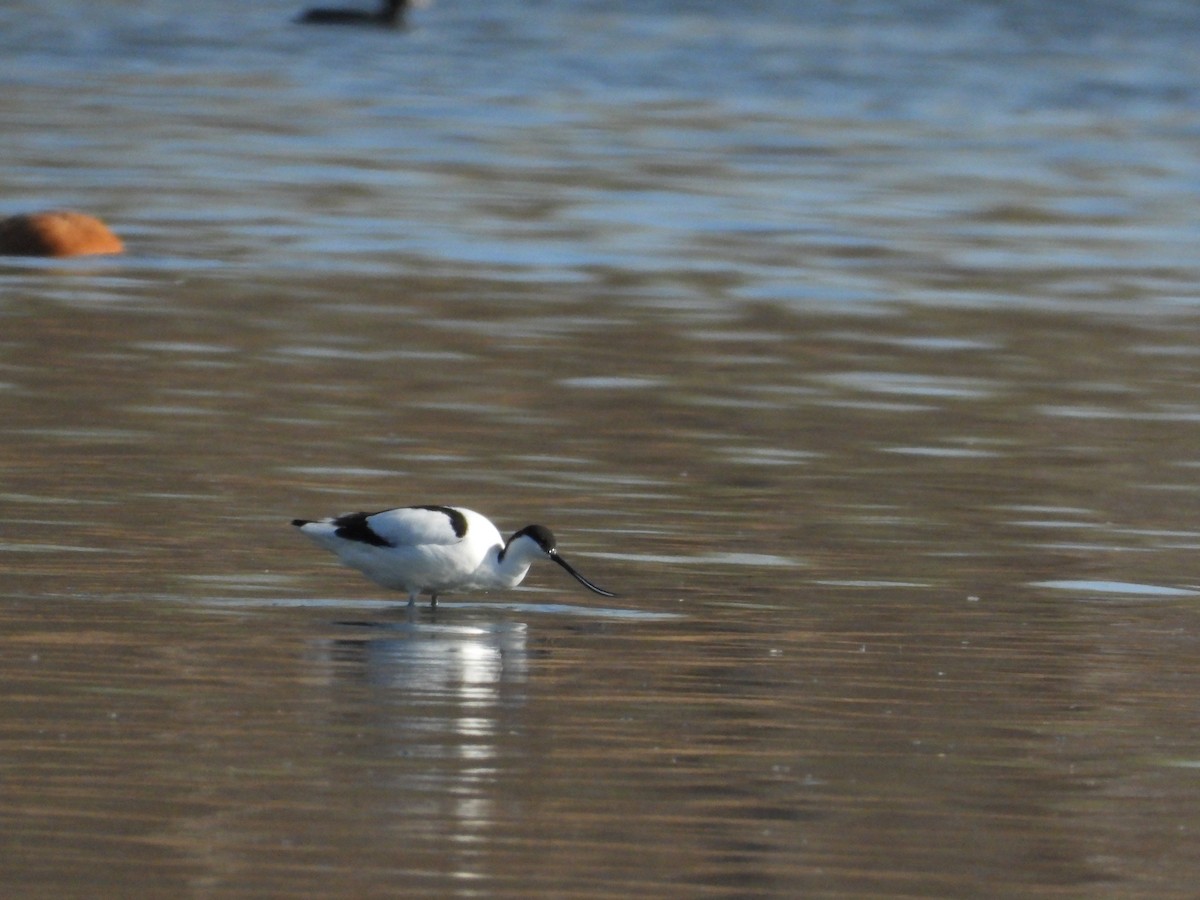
point(354, 527)
point(457, 520)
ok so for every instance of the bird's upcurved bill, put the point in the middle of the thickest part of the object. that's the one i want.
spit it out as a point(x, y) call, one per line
point(587, 584)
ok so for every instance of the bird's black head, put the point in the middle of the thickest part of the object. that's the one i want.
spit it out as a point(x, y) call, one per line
point(540, 534)
point(544, 538)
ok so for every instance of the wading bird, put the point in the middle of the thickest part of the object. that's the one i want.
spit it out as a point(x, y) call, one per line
point(436, 549)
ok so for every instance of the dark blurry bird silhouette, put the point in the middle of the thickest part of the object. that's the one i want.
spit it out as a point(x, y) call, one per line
point(390, 13)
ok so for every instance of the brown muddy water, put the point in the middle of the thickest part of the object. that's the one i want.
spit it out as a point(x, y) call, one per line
point(866, 375)
point(903, 602)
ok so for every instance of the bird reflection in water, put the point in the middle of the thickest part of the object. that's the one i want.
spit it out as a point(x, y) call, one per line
point(472, 666)
point(432, 708)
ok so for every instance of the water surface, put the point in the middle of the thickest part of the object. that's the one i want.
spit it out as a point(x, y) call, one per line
point(853, 345)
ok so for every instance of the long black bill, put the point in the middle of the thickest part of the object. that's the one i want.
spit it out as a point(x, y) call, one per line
point(587, 584)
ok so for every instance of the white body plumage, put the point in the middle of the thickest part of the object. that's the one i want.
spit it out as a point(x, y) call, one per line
point(435, 549)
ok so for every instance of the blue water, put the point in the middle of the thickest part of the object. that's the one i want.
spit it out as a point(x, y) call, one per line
point(558, 140)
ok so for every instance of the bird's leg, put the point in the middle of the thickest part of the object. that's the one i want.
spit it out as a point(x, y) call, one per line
point(433, 600)
point(412, 598)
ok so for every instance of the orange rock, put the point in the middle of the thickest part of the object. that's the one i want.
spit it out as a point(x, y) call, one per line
point(58, 232)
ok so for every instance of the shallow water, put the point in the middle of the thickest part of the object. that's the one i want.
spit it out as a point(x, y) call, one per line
point(854, 346)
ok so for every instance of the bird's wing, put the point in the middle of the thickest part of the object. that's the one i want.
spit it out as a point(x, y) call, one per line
point(410, 526)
